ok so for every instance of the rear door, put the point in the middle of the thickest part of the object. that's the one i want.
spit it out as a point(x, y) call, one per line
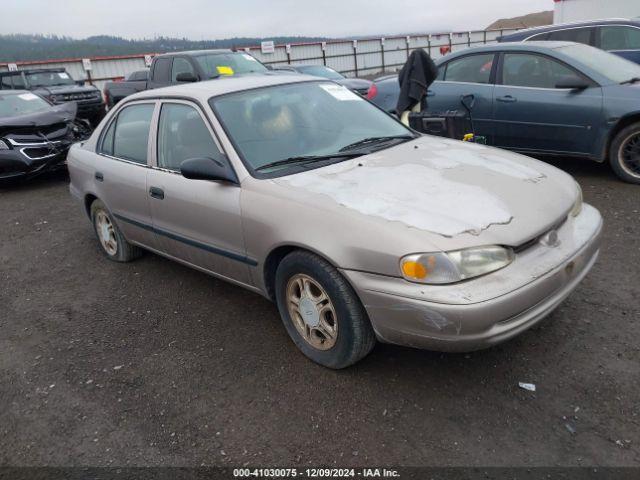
point(531, 114)
point(121, 170)
point(196, 221)
point(471, 75)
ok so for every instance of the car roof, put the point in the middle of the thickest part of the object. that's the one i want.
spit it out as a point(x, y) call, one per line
point(561, 26)
point(195, 53)
point(535, 46)
point(203, 91)
point(33, 70)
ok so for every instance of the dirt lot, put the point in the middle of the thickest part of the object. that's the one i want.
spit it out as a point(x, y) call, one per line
point(152, 363)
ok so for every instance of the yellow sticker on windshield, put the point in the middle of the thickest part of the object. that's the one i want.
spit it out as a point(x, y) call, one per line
point(223, 70)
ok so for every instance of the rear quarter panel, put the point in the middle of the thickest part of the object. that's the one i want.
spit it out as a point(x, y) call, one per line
point(81, 166)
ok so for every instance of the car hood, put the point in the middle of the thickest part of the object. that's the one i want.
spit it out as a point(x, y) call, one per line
point(450, 193)
point(355, 83)
point(65, 113)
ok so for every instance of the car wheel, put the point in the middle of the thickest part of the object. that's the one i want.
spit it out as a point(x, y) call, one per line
point(624, 155)
point(111, 240)
point(321, 312)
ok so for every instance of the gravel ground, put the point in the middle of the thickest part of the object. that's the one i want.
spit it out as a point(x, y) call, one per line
point(151, 363)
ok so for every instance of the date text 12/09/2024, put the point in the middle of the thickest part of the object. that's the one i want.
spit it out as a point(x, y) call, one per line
point(315, 473)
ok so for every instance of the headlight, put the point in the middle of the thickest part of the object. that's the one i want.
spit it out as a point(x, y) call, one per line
point(3, 145)
point(455, 266)
point(577, 206)
point(56, 98)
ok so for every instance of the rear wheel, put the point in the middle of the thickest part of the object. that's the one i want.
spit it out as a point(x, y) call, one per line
point(624, 154)
point(321, 312)
point(112, 242)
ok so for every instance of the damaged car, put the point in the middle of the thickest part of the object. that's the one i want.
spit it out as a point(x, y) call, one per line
point(359, 229)
point(35, 136)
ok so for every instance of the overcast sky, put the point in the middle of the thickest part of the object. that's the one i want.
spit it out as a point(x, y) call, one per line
point(215, 19)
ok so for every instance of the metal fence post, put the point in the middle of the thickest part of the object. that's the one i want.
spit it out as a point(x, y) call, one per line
point(355, 55)
point(323, 46)
point(382, 53)
point(408, 39)
point(288, 50)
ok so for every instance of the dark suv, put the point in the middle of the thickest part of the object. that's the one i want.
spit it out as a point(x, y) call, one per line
point(57, 86)
point(619, 36)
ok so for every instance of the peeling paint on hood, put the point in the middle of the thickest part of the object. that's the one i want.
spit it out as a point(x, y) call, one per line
point(416, 195)
point(445, 187)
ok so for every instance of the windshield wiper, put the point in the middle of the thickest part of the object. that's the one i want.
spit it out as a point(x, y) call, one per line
point(373, 140)
point(307, 159)
point(630, 81)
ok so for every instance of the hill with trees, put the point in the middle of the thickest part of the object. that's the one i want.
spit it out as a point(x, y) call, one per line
point(15, 48)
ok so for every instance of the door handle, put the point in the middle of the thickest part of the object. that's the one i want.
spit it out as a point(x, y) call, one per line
point(99, 176)
point(507, 99)
point(156, 192)
point(431, 93)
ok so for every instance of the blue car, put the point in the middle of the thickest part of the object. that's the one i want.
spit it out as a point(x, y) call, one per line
point(545, 98)
point(619, 36)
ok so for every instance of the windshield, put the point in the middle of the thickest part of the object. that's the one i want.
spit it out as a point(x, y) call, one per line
point(611, 66)
point(320, 71)
point(229, 64)
point(270, 124)
point(49, 79)
point(12, 105)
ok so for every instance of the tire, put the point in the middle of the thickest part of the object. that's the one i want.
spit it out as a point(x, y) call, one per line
point(624, 154)
point(353, 337)
point(117, 248)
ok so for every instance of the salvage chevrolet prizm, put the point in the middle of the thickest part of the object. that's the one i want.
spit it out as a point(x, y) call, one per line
point(358, 228)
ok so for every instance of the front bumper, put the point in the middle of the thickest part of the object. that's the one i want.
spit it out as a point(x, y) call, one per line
point(17, 162)
point(487, 310)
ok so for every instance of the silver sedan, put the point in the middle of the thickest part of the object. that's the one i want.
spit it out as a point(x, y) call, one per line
point(356, 227)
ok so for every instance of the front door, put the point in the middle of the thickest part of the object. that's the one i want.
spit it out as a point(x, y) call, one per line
point(196, 221)
point(532, 115)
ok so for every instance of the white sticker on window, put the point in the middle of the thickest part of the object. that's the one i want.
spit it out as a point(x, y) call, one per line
point(340, 92)
point(249, 57)
point(28, 96)
point(63, 75)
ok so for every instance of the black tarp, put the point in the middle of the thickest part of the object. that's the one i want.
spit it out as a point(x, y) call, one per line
point(415, 77)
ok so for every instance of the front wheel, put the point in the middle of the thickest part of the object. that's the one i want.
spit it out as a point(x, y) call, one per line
point(321, 312)
point(624, 154)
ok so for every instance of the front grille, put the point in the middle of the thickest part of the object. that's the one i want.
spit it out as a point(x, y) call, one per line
point(535, 240)
point(68, 97)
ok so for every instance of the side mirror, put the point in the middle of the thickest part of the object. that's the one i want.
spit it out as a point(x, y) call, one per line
point(572, 83)
point(207, 169)
point(186, 77)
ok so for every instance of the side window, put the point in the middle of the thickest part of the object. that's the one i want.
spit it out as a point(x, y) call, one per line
point(181, 65)
point(473, 69)
point(578, 35)
point(128, 134)
point(441, 70)
point(182, 134)
point(619, 38)
point(18, 82)
point(536, 71)
point(5, 82)
point(161, 70)
point(107, 140)
point(539, 37)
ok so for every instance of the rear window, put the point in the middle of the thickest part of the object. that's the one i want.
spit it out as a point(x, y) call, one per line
point(217, 64)
point(162, 70)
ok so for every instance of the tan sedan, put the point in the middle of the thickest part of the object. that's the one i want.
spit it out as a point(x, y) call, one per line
point(358, 228)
